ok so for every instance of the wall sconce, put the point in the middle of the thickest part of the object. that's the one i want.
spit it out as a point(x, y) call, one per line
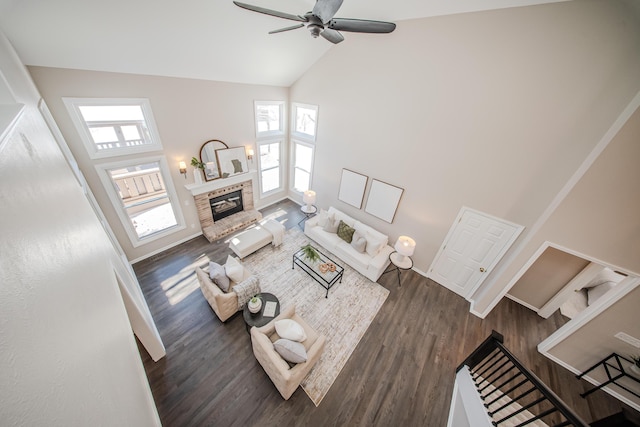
point(183, 169)
point(250, 154)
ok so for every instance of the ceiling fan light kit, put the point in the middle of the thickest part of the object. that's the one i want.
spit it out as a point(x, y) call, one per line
point(321, 22)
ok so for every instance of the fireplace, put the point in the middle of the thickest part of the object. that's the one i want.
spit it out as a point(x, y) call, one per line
point(226, 205)
point(226, 208)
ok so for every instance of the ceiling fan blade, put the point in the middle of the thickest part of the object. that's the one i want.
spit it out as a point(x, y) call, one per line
point(361, 25)
point(326, 9)
point(293, 27)
point(270, 12)
point(332, 35)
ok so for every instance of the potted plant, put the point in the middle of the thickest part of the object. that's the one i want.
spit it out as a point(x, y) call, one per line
point(636, 364)
point(197, 164)
point(255, 304)
point(310, 253)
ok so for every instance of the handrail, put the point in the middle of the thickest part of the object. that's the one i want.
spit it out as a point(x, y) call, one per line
point(495, 342)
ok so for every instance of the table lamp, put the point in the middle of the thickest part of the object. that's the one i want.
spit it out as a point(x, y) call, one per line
point(309, 197)
point(405, 246)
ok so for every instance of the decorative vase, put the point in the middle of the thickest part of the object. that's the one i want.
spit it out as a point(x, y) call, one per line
point(197, 176)
point(255, 307)
point(635, 369)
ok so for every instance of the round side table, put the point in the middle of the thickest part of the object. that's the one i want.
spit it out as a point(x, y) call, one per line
point(400, 263)
point(259, 319)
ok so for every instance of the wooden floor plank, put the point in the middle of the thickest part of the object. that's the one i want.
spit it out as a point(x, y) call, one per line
point(401, 372)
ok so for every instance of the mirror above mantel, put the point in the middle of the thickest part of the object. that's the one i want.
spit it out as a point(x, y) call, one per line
point(208, 157)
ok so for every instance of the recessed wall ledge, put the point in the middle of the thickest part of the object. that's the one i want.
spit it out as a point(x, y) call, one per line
point(217, 184)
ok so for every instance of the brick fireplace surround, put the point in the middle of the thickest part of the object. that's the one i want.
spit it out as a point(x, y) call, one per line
point(218, 229)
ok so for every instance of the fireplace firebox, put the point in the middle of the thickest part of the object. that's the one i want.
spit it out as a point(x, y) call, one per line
point(226, 205)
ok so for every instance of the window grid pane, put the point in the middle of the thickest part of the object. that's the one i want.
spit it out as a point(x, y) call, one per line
point(268, 117)
point(270, 180)
point(301, 180)
point(306, 121)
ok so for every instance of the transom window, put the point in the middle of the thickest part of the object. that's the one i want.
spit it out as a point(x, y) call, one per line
point(114, 127)
point(304, 121)
point(269, 118)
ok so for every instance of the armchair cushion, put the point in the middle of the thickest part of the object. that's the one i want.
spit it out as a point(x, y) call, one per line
point(290, 351)
point(217, 274)
point(291, 330)
point(234, 269)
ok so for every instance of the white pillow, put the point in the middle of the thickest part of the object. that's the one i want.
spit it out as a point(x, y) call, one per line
point(597, 291)
point(290, 351)
point(359, 242)
point(323, 216)
point(374, 244)
point(291, 330)
point(331, 226)
point(233, 269)
point(604, 276)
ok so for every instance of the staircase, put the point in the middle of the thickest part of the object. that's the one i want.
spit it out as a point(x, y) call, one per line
point(509, 393)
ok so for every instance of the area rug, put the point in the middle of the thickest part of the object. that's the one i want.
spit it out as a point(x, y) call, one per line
point(342, 318)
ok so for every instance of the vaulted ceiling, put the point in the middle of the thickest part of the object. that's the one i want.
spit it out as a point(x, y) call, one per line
point(202, 39)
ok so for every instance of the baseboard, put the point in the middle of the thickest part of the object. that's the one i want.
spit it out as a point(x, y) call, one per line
point(176, 243)
point(607, 390)
point(529, 306)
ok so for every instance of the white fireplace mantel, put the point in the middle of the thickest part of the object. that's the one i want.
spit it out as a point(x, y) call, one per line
point(217, 184)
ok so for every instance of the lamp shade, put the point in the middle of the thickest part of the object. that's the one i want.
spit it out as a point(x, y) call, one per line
point(182, 166)
point(309, 197)
point(405, 246)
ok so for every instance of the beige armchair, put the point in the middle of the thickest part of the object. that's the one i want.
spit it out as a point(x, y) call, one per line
point(285, 379)
point(224, 304)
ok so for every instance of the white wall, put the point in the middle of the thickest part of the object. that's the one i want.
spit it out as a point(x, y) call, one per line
point(493, 110)
point(67, 351)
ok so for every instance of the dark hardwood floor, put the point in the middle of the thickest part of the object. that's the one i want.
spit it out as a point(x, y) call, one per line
point(401, 372)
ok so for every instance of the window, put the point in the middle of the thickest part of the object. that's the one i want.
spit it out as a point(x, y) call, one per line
point(304, 121)
point(144, 198)
point(302, 165)
point(270, 170)
point(269, 123)
point(114, 127)
point(269, 118)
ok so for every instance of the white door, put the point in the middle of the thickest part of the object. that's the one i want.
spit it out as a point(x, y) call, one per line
point(474, 245)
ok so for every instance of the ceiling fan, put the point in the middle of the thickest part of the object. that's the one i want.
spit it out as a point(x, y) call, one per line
point(320, 21)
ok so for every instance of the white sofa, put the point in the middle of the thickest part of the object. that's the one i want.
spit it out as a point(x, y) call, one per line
point(371, 263)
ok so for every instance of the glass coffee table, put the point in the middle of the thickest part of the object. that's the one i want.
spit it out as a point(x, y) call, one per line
point(325, 271)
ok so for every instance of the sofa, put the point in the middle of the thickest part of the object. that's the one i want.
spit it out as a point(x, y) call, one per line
point(286, 378)
point(226, 304)
point(370, 259)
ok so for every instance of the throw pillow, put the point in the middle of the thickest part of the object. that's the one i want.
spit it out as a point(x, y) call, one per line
point(345, 232)
point(233, 269)
point(604, 276)
point(374, 244)
point(359, 243)
point(331, 226)
point(323, 217)
point(597, 291)
point(290, 329)
point(218, 276)
point(290, 351)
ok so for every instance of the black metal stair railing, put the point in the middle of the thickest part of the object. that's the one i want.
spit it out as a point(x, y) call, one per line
point(512, 394)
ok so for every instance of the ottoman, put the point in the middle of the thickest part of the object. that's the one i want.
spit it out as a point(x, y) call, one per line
point(250, 241)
